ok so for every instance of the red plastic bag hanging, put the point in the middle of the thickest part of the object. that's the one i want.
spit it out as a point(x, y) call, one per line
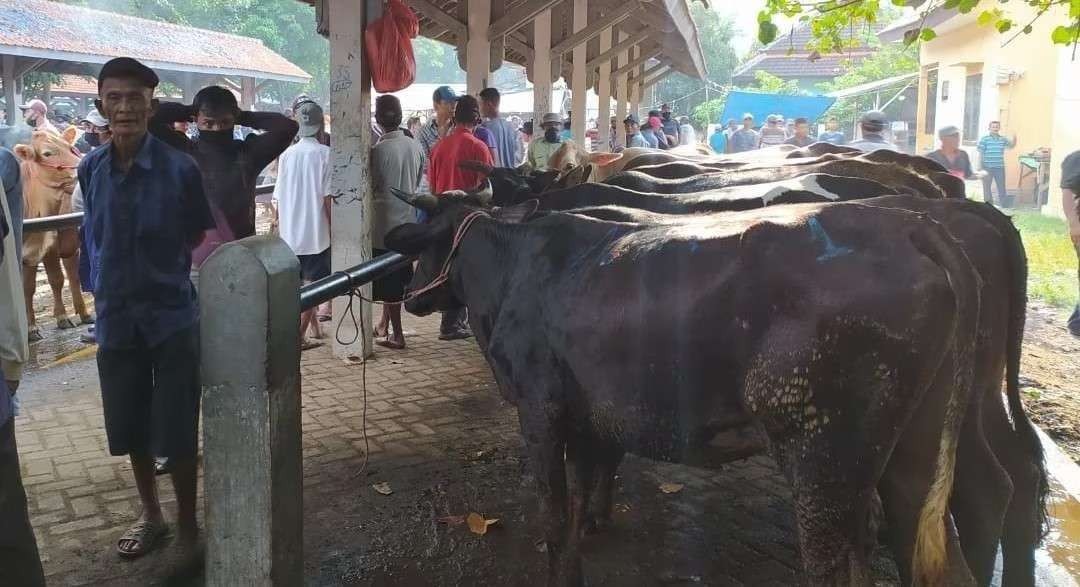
point(388, 43)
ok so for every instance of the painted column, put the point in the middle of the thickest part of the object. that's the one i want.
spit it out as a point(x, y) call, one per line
point(11, 95)
point(578, 77)
point(541, 69)
point(603, 115)
point(350, 183)
point(247, 93)
point(478, 49)
point(635, 85)
point(621, 97)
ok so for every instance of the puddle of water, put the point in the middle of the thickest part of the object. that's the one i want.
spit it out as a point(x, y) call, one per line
point(1059, 558)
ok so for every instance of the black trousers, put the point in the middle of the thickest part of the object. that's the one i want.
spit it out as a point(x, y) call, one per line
point(19, 561)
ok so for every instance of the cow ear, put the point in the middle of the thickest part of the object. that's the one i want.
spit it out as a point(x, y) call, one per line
point(409, 238)
point(25, 152)
point(69, 135)
point(518, 213)
point(602, 159)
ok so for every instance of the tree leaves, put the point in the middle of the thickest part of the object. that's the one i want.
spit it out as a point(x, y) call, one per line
point(1064, 35)
point(910, 36)
point(927, 35)
point(767, 32)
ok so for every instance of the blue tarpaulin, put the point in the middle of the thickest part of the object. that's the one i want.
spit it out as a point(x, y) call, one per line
point(762, 105)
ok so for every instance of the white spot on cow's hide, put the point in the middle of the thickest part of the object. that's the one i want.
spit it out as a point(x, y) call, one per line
point(806, 183)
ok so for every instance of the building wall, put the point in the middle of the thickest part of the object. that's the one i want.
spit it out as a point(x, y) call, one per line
point(1024, 103)
point(1066, 133)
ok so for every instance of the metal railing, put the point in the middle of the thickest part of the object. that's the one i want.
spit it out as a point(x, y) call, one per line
point(75, 218)
point(342, 282)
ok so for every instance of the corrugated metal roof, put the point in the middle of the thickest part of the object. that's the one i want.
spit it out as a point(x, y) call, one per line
point(51, 30)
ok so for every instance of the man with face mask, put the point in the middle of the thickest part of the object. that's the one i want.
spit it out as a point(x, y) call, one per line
point(671, 129)
point(35, 116)
point(96, 133)
point(541, 149)
point(230, 167)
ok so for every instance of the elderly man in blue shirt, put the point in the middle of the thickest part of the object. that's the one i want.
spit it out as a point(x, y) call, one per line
point(146, 210)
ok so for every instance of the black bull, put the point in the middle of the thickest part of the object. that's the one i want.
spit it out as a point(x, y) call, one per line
point(845, 331)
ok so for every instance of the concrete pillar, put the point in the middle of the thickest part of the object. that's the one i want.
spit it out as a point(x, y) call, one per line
point(635, 86)
point(11, 93)
point(252, 446)
point(541, 69)
point(350, 183)
point(478, 49)
point(578, 77)
point(247, 93)
point(622, 96)
point(603, 115)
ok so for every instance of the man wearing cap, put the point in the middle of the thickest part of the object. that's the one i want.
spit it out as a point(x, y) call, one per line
point(772, 133)
point(1070, 200)
point(873, 125)
point(832, 133)
point(95, 132)
point(950, 156)
point(719, 140)
point(542, 148)
point(670, 126)
point(230, 167)
point(652, 132)
point(19, 561)
point(442, 102)
point(35, 114)
point(302, 206)
point(746, 138)
point(145, 204)
point(992, 160)
point(633, 133)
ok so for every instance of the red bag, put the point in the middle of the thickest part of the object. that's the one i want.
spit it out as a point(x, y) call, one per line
point(388, 43)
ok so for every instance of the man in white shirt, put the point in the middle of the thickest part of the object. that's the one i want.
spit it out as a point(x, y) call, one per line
point(302, 206)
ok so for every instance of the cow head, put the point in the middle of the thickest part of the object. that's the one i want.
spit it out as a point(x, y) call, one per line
point(511, 185)
point(570, 156)
point(48, 169)
point(434, 242)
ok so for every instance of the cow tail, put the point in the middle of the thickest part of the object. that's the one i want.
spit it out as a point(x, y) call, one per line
point(930, 559)
point(1018, 273)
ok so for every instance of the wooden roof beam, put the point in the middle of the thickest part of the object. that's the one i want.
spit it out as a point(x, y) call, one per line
point(593, 29)
point(613, 52)
point(656, 78)
point(519, 16)
point(436, 14)
point(516, 43)
point(642, 58)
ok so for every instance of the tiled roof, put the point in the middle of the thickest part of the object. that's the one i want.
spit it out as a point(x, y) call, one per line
point(51, 30)
point(76, 84)
point(795, 66)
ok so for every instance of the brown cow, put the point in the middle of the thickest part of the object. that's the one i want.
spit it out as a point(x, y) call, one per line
point(48, 166)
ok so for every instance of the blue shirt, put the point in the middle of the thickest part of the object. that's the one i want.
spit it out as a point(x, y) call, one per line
point(992, 148)
point(718, 141)
point(505, 142)
point(649, 135)
point(835, 137)
point(636, 140)
point(142, 224)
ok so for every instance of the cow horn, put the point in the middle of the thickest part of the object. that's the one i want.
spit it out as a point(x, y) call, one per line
point(426, 202)
point(476, 166)
point(485, 192)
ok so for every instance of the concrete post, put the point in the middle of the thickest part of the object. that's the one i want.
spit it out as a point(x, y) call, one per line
point(578, 77)
point(247, 93)
point(603, 115)
point(11, 95)
point(541, 70)
point(622, 95)
point(350, 183)
point(478, 49)
point(252, 447)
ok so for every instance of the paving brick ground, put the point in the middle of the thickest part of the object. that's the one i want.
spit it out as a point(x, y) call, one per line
point(440, 436)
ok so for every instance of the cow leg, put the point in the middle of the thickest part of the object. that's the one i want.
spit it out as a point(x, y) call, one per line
point(606, 459)
point(1023, 520)
point(981, 494)
point(56, 283)
point(545, 442)
point(29, 277)
point(71, 270)
point(580, 476)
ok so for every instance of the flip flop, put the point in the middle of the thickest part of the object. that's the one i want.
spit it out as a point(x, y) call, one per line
point(307, 345)
point(145, 534)
point(390, 344)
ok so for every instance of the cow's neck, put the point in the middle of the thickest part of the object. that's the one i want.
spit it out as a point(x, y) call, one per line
point(480, 273)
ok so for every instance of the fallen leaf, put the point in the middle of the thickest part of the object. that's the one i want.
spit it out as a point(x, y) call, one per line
point(622, 508)
point(479, 524)
point(383, 488)
point(671, 487)
point(451, 520)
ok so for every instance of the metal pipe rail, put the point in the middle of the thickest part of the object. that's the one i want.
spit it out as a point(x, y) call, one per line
point(46, 223)
point(342, 282)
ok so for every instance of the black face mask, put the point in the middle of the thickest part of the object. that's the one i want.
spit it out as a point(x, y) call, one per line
point(219, 137)
point(551, 135)
point(92, 138)
point(32, 123)
point(667, 116)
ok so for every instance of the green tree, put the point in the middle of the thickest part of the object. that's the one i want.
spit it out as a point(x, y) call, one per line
point(885, 62)
point(771, 84)
point(436, 62)
point(715, 34)
point(709, 112)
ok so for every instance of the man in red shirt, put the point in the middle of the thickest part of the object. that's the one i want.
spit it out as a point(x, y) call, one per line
point(460, 145)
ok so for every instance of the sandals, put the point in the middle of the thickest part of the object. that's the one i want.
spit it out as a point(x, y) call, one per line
point(307, 345)
point(145, 536)
point(390, 343)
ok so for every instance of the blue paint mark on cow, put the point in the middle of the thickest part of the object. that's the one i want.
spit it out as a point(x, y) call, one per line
point(694, 246)
point(831, 251)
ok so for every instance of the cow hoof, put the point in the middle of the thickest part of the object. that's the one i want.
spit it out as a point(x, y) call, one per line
point(65, 323)
point(87, 319)
point(34, 335)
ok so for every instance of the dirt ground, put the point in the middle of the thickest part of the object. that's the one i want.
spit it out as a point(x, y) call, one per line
point(1050, 376)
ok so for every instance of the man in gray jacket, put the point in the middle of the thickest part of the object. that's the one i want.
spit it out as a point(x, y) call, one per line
point(19, 561)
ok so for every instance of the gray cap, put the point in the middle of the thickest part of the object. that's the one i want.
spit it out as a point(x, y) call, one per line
point(310, 117)
point(552, 117)
point(874, 117)
point(948, 131)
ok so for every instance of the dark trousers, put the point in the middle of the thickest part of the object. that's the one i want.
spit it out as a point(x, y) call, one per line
point(453, 320)
point(995, 175)
point(19, 560)
point(1074, 320)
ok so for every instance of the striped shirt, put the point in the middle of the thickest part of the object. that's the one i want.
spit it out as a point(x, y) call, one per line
point(992, 151)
